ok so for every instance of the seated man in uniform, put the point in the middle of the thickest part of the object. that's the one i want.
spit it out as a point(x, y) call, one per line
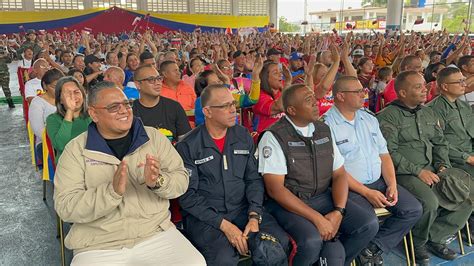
point(114, 183)
point(306, 181)
point(224, 201)
point(419, 152)
point(456, 120)
point(370, 167)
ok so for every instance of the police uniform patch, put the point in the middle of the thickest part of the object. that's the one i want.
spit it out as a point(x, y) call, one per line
point(190, 171)
point(267, 152)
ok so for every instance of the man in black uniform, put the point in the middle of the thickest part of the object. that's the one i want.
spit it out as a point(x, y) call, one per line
point(223, 204)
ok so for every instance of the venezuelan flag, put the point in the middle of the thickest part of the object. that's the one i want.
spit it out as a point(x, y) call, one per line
point(49, 167)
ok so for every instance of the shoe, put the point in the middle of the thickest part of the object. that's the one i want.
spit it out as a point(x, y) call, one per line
point(442, 251)
point(10, 103)
point(370, 256)
point(422, 256)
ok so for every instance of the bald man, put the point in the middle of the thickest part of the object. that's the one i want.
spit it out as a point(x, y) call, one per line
point(117, 76)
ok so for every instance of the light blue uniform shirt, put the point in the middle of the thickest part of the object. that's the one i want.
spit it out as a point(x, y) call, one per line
point(271, 159)
point(360, 142)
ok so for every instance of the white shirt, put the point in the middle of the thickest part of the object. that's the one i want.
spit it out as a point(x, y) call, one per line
point(39, 110)
point(271, 159)
point(24, 63)
point(32, 87)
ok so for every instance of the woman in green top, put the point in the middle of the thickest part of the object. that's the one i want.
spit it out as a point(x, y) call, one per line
point(71, 118)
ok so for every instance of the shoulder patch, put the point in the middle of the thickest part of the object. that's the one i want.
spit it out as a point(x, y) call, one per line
point(267, 152)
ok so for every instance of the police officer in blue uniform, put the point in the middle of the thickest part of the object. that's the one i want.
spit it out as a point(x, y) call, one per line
point(370, 167)
point(223, 204)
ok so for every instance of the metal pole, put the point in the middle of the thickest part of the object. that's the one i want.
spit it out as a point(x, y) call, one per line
point(469, 16)
point(305, 18)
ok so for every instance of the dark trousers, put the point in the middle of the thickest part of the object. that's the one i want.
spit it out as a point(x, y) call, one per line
point(436, 223)
point(404, 216)
point(357, 229)
point(214, 245)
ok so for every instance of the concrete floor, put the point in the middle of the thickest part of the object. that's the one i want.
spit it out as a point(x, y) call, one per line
point(28, 224)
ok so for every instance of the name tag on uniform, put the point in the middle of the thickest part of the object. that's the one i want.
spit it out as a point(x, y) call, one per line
point(244, 152)
point(205, 160)
point(296, 144)
point(374, 134)
point(322, 141)
point(342, 141)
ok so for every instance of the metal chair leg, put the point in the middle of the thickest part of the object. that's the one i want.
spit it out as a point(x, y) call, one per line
point(468, 232)
point(61, 242)
point(44, 190)
point(461, 246)
point(412, 247)
point(407, 253)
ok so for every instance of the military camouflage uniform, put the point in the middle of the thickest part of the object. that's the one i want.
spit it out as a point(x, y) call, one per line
point(5, 75)
point(415, 141)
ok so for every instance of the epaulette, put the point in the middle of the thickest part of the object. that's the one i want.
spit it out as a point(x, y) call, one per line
point(322, 118)
point(369, 112)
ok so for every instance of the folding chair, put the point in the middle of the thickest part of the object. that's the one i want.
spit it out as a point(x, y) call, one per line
point(49, 166)
point(469, 242)
point(49, 169)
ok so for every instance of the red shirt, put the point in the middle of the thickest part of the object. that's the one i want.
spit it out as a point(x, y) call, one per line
point(220, 143)
point(325, 103)
point(262, 111)
point(389, 94)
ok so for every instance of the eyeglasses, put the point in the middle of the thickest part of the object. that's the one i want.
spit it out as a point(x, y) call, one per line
point(152, 79)
point(356, 91)
point(226, 106)
point(115, 107)
point(461, 82)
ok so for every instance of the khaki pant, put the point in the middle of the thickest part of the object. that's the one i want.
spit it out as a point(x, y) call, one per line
point(436, 223)
point(165, 248)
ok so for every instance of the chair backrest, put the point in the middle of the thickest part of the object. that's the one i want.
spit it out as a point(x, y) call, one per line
point(191, 118)
point(31, 139)
point(23, 77)
point(49, 165)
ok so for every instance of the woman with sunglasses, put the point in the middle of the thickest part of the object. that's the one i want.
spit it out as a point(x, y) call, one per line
point(71, 118)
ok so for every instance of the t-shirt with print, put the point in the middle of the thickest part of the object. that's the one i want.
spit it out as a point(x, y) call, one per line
point(168, 116)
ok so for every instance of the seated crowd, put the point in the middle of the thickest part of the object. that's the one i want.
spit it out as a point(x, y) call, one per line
point(270, 143)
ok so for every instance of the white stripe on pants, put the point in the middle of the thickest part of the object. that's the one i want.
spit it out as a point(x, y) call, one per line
point(169, 247)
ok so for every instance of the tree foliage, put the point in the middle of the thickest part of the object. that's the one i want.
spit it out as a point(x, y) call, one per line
point(375, 3)
point(285, 26)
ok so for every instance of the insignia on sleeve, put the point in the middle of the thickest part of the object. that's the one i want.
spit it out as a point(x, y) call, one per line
point(267, 152)
point(190, 171)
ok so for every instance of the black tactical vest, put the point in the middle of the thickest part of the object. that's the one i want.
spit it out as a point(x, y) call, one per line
point(309, 160)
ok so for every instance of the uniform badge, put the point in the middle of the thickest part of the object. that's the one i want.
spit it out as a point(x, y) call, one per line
point(267, 152)
point(205, 160)
point(190, 171)
point(322, 141)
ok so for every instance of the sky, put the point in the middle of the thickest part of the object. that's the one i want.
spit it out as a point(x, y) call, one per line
point(293, 10)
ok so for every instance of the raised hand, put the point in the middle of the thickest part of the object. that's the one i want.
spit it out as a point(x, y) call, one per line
point(120, 180)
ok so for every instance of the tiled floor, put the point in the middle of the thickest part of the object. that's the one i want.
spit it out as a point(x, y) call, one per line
point(28, 224)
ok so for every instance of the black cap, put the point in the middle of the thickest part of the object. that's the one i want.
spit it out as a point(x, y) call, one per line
point(238, 53)
point(89, 59)
point(273, 51)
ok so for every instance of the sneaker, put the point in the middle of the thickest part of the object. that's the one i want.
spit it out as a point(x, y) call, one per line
point(442, 251)
point(422, 256)
point(10, 103)
point(370, 256)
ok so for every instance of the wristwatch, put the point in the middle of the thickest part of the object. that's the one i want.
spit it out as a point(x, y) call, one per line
point(160, 181)
point(341, 210)
point(256, 216)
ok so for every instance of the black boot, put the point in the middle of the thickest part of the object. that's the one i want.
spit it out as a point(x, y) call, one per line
point(442, 251)
point(422, 256)
point(10, 103)
point(370, 256)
